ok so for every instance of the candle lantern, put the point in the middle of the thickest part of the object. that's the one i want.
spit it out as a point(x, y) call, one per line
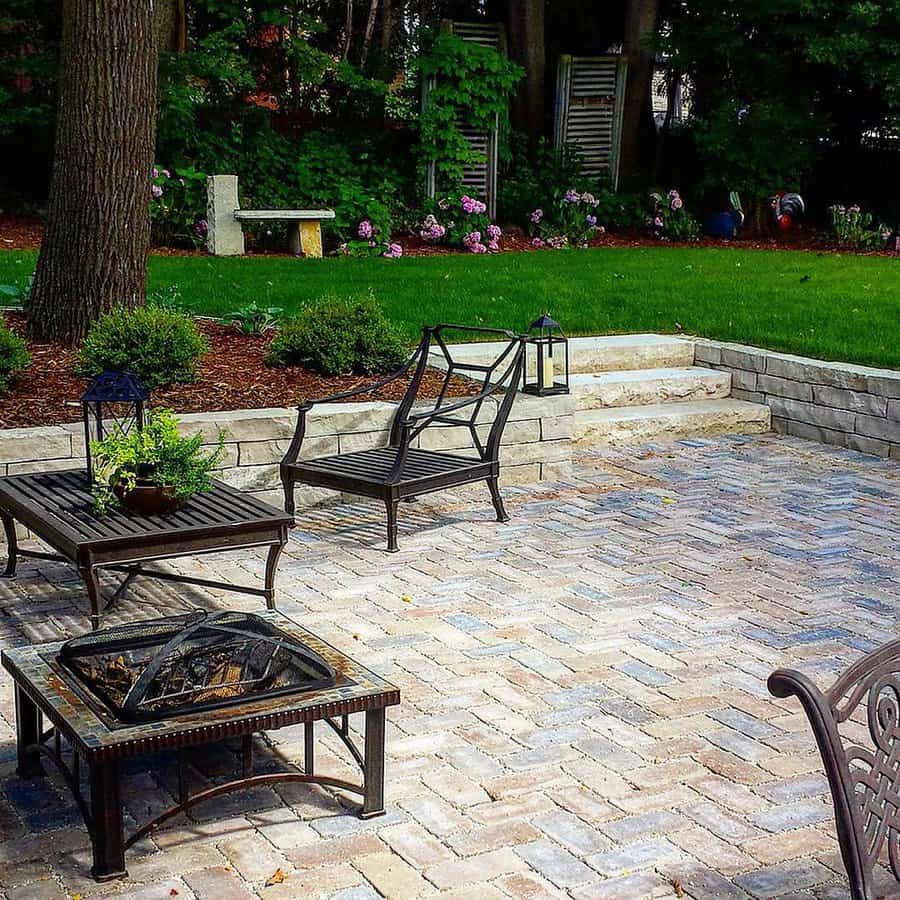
point(113, 402)
point(547, 359)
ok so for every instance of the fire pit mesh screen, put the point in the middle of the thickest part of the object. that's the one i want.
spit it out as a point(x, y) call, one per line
point(184, 664)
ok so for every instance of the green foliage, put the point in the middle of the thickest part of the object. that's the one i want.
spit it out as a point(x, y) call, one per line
point(14, 356)
point(570, 220)
point(254, 319)
point(338, 335)
point(669, 219)
point(156, 453)
point(857, 230)
point(160, 346)
point(178, 206)
point(472, 83)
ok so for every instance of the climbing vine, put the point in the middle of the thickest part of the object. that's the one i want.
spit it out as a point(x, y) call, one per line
point(471, 84)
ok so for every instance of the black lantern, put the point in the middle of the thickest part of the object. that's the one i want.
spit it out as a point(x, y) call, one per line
point(113, 402)
point(549, 361)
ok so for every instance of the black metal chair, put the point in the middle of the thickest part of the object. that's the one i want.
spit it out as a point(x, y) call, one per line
point(864, 780)
point(402, 471)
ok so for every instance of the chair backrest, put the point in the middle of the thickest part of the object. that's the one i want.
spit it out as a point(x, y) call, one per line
point(864, 777)
point(498, 374)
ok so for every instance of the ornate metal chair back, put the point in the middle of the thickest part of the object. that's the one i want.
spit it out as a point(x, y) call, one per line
point(856, 725)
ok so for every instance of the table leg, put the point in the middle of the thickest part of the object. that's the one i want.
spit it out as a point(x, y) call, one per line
point(107, 836)
point(91, 580)
point(271, 565)
point(309, 750)
point(12, 544)
point(293, 236)
point(28, 736)
point(373, 774)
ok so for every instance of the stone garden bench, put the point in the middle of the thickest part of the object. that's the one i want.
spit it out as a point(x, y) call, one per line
point(224, 215)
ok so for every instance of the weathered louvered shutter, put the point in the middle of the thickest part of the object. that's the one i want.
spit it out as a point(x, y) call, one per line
point(479, 178)
point(589, 95)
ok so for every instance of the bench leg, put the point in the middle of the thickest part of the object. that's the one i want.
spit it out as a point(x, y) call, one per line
point(287, 485)
point(12, 544)
point(91, 580)
point(373, 774)
point(28, 736)
point(107, 837)
point(311, 239)
point(392, 507)
point(271, 566)
point(497, 500)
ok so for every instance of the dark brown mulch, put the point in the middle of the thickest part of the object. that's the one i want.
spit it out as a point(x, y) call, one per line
point(232, 375)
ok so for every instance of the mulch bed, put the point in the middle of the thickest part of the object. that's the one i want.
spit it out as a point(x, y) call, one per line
point(232, 375)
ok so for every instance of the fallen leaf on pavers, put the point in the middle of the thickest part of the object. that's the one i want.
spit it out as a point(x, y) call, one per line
point(76, 896)
point(173, 893)
point(406, 598)
point(277, 877)
point(355, 637)
point(669, 500)
point(676, 886)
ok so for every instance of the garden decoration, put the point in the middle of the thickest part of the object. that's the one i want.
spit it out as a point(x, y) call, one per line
point(545, 334)
point(403, 470)
point(726, 224)
point(225, 236)
point(787, 207)
point(861, 768)
point(115, 402)
point(151, 470)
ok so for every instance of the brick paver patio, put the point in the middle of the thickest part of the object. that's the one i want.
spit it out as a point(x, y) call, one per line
point(584, 706)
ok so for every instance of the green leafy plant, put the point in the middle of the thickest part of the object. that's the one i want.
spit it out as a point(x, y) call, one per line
point(337, 335)
point(178, 206)
point(472, 84)
point(161, 346)
point(857, 230)
point(254, 319)
point(670, 220)
point(14, 356)
point(156, 454)
point(571, 221)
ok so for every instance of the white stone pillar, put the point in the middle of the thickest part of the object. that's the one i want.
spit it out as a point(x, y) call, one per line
point(225, 236)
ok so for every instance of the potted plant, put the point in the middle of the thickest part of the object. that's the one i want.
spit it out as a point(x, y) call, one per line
point(154, 470)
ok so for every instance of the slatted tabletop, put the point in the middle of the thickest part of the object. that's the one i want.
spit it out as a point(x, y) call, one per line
point(58, 506)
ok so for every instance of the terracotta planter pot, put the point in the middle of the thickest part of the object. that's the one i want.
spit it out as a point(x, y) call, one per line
point(148, 499)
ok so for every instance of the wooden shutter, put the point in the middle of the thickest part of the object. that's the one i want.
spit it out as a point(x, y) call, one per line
point(589, 95)
point(479, 178)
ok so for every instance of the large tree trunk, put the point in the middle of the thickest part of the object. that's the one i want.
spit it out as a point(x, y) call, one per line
point(525, 27)
point(637, 114)
point(94, 252)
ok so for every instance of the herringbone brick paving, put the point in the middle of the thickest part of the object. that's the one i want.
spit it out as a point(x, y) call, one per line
point(584, 707)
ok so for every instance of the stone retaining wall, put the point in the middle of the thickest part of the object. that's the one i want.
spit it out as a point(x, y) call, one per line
point(835, 403)
point(537, 442)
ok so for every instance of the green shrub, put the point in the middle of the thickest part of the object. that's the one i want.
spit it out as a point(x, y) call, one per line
point(338, 335)
point(160, 346)
point(14, 356)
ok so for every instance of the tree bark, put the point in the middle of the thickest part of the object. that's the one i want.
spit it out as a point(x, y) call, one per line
point(94, 251)
point(640, 30)
point(370, 30)
point(525, 29)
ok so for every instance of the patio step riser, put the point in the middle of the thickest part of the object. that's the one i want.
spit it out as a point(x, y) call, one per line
point(669, 421)
point(649, 387)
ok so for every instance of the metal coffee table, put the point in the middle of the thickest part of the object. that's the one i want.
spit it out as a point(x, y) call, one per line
point(85, 733)
point(57, 507)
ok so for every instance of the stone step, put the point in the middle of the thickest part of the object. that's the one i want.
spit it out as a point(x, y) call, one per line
point(647, 387)
point(669, 421)
point(609, 353)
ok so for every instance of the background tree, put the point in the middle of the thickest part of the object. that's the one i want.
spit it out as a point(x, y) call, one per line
point(94, 252)
point(639, 48)
point(526, 30)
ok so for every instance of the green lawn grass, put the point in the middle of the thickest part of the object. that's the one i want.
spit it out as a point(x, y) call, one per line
point(828, 306)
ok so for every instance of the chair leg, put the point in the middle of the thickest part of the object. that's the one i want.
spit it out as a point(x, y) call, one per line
point(392, 506)
point(287, 484)
point(497, 500)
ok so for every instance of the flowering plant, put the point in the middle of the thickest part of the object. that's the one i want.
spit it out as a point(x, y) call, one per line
point(369, 241)
point(462, 221)
point(177, 203)
point(571, 221)
point(669, 220)
point(856, 229)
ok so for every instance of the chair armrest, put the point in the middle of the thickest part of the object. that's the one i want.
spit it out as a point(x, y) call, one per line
point(368, 389)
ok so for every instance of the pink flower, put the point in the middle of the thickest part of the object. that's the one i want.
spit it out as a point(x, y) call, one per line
point(537, 215)
point(472, 238)
point(395, 251)
point(155, 172)
point(572, 196)
point(156, 190)
point(477, 248)
point(365, 230)
point(676, 202)
point(494, 246)
point(167, 173)
point(537, 242)
point(494, 232)
point(658, 222)
point(201, 226)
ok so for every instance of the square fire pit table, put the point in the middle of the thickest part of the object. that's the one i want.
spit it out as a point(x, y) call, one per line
point(58, 508)
point(84, 733)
